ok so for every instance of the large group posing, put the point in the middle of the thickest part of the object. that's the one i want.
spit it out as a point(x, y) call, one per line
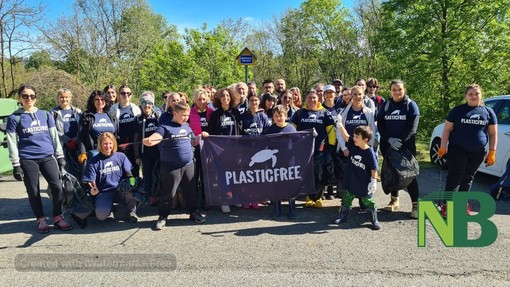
point(114, 138)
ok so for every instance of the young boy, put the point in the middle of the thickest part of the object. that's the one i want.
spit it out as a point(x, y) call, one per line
point(280, 125)
point(360, 177)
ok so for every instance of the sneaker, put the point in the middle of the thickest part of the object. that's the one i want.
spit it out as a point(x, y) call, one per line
point(111, 217)
point(197, 217)
point(42, 225)
point(255, 206)
point(246, 206)
point(60, 223)
point(225, 209)
point(133, 218)
point(414, 211)
point(318, 203)
point(393, 205)
point(309, 202)
point(160, 224)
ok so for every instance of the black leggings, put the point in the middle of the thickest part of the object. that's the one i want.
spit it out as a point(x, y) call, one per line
point(49, 169)
point(462, 168)
point(171, 179)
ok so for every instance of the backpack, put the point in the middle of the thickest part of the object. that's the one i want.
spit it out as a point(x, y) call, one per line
point(387, 104)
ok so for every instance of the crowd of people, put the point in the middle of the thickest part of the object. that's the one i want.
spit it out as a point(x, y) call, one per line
point(115, 137)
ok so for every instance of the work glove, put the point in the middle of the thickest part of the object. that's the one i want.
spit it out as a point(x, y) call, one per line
point(395, 143)
point(82, 158)
point(491, 158)
point(372, 186)
point(61, 165)
point(72, 145)
point(441, 152)
point(17, 172)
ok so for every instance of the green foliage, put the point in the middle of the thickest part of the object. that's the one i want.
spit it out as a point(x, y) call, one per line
point(439, 47)
point(39, 59)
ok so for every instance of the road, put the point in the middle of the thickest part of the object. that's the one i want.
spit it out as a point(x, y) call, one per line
point(247, 248)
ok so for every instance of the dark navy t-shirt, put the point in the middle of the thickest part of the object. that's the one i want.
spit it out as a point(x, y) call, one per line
point(177, 151)
point(254, 124)
point(224, 122)
point(360, 164)
point(307, 119)
point(274, 129)
point(470, 127)
point(105, 171)
point(126, 122)
point(102, 124)
point(70, 123)
point(398, 116)
point(203, 120)
point(34, 140)
point(166, 117)
point(355, 119)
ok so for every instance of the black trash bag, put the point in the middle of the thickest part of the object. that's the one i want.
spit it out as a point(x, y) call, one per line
point(76, 200)
point(328, 167)
point(501, 189)
point(399, 169)
point(137, 190)
point(72, 164)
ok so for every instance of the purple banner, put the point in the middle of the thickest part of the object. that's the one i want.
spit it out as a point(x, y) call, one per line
point(246, 169)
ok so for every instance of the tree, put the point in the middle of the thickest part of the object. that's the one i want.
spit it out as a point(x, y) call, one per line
point(16, 19)
point(105, 41)
point(441, 46)
point(39, 59)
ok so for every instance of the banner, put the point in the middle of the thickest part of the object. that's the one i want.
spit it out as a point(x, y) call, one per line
point(246, 169)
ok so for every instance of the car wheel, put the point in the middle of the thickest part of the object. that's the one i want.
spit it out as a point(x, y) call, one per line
point(434, 148)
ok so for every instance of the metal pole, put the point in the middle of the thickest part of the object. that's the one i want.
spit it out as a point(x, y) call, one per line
point(246, 74)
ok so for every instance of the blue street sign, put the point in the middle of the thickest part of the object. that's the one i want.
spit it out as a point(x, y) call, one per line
point(246, 59)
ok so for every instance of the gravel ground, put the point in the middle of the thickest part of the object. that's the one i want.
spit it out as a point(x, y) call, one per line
point(247, 248)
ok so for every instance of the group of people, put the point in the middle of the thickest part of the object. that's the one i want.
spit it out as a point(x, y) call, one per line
point(113, 137)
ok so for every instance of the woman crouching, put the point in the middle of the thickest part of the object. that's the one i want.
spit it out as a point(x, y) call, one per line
point(103, 174)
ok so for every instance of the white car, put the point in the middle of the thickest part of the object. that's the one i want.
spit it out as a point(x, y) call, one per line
point(501, 106)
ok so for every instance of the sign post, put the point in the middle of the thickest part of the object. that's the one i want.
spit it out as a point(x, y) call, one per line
point(246, 58)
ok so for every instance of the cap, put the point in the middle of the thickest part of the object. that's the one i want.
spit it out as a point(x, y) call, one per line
point(147, 99)
point(338, 81)
point(329, 88)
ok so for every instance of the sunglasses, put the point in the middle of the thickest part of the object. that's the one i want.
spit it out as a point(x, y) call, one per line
point(99, 99)
point(371, 86)
point(165, 97)
point(144, 104)
point(26, 96)
point(125, 93)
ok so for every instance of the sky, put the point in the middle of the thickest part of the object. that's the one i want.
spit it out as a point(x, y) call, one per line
point(193, 13)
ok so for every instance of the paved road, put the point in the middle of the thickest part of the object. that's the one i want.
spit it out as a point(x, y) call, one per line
point(248, 248)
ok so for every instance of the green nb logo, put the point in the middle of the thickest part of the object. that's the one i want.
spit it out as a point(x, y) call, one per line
point(453, 230)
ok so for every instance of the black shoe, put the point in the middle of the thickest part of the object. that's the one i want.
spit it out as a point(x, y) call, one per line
point(197, 217)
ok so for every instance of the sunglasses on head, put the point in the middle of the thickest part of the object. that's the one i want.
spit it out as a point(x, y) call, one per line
point(125, 93)
point(26, 96)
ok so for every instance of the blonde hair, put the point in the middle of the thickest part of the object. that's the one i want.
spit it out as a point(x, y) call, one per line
point(102, 137)
point(62, 91)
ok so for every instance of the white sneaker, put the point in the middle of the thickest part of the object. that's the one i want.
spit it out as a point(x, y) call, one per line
point(160, 224)
point(225, 209)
